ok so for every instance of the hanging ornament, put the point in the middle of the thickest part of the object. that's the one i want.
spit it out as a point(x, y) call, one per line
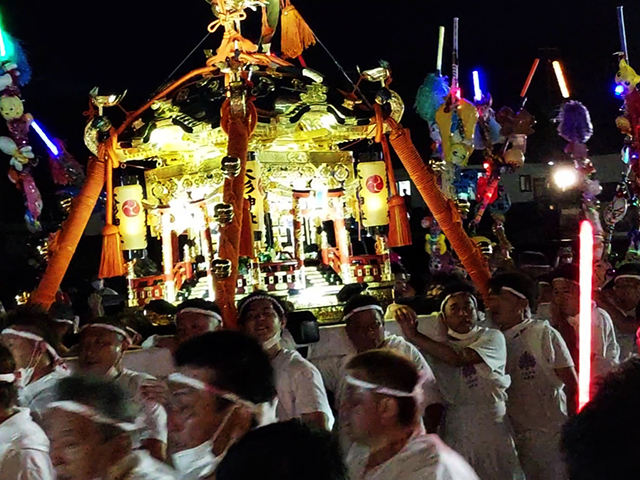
point(221, 268)
point(230, 166)
point(223, 214)
point(456, 120)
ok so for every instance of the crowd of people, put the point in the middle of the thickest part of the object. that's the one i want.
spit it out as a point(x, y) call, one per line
point(473, 388)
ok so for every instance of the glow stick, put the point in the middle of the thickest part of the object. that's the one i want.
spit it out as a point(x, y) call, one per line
point(50, 145)
point(623, 33)
point(560, 76)
point(440, 50)
point(477, 92)
point(3, 47)
point(586, 308)
point(532, 72)
point(454, 63)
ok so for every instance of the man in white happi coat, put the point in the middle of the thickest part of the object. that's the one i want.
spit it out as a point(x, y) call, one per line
point(565, 307)
point(92, 425)
point(24, 447)
point(301, 392)
point(224, 388)
point(364, 319)
point(469, 362)
point(101, 352)
point(381, 416)
point(29, 335)
point(544, 383)
point(194, 317)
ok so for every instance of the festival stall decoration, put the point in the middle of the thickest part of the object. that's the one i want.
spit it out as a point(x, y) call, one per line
point(501, 137)
point(574, 125)
point(242, 157)
point(65, 170)
point(628, 123)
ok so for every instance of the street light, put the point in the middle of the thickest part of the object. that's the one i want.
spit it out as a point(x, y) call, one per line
point(565, 177)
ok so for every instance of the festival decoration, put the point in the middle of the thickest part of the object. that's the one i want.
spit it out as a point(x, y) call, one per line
point(130, 214)
point(399, 230)
point(373, 193)
point(14, 74)
point(574, 125)
point(192, 139)
point(296, 34)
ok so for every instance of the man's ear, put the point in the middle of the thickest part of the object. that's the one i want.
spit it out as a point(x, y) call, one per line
point(388, 409)
point(283, 322)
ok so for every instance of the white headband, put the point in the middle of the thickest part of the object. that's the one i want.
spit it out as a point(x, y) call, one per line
point(112, 328)
point(75, 322)
point(8, 377)
point(448, 297)
point(267, 411)
point(250, 300)
point(33, 337)
point(417, 394)
point(364, 308)
point(515, 292)
point(201, 311)
point(619, 277)
point(377, 388)
point(200, 385)
point(92, 414)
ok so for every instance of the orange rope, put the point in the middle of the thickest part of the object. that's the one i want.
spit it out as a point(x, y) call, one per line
point(382, 139)
point(239, 129)
point(443, 210)
point(69, 234)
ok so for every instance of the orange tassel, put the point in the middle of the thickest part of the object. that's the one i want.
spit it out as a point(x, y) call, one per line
point(296, 34)
point(111, 262)
point(246, 235)
point(399, 230)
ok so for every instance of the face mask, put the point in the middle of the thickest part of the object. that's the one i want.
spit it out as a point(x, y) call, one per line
point(463, 336)
point(196, 462)
point(273, 341)
point(200, 461)
point(24, 375)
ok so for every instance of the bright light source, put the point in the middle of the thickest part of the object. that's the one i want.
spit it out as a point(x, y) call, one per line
point(404, 187)
point(477, 92)
point(166, 136)
point(550, 163)
point(586, 307)
point(565, 177)
point(53, 148)
point(3, 47)
point(561, 81)
point(619, 90)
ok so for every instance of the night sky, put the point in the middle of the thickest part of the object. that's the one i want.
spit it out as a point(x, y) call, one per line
point(75, 45)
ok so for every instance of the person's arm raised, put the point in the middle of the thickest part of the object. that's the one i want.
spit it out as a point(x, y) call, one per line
point(408, 321)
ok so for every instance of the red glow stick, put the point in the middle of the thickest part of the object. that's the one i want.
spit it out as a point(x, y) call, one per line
point(586, 308)
point(532, 72)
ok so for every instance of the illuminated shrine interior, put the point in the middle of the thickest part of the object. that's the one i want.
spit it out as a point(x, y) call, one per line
point(303, 191)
